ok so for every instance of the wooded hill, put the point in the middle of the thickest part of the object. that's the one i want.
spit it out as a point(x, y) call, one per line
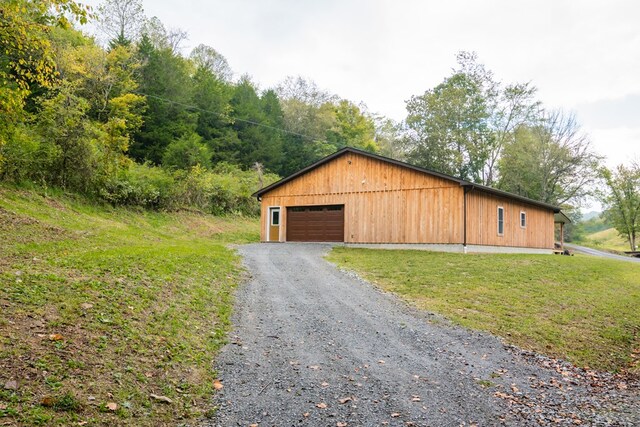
point(134, 120)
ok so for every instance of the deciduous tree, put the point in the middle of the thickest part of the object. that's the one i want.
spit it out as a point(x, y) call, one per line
point(622, 201)
point(551, 161)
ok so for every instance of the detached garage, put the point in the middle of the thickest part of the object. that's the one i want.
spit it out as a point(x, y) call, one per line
point(354, 196)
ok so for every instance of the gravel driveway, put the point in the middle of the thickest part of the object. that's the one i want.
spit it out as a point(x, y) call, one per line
point(595, 252)
point(315, 346)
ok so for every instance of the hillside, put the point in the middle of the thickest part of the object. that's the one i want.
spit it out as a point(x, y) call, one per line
point(103, 308)
point(608, 239)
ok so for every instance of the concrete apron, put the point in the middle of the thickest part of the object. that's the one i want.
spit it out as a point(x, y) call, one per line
point(450, 248)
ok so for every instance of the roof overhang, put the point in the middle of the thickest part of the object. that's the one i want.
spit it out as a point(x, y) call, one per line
point(469, 186)
point(561, 218)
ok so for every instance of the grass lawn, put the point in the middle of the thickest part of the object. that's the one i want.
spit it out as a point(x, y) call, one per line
point(102, 307)
point(580, 308)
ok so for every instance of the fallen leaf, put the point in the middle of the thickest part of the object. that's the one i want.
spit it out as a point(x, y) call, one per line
point(415, 398)
point(56, 337)
point(3, 406)
point(321, 405)
point(622, 386)
point(217, 385)
point(112, 406)
point(253, 425)
point(395, 415)
point(164, 399)
point(514, 388)
point(340, 424)
point(306, 414)
point(325, 384)
point(314, 367)
point(345, 400)
point(11, 385)
point(382, 362)
point(86, 306)
point(83, 423)
point(47, 401)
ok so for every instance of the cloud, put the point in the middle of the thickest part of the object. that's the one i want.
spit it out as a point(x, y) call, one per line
point(612, 113)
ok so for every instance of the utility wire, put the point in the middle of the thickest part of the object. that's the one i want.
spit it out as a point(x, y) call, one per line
point(194, 107)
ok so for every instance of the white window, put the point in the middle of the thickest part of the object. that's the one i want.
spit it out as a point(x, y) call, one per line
point(275, 216)
point(500, 221)
point(523, 219)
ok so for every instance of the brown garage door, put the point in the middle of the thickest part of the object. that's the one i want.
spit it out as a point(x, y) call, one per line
point(315, 223)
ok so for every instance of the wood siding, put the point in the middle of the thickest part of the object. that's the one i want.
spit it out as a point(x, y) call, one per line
point(388, 203)
point(384, 203)
point(482, 222)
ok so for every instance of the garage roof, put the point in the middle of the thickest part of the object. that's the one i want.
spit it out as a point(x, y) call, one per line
point(463, 183)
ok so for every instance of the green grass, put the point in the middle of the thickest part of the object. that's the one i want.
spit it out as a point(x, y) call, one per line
point(583, 309)
point(140, 302)
point(608, 240)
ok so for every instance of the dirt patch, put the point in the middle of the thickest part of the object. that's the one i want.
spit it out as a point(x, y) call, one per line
point(17, 228)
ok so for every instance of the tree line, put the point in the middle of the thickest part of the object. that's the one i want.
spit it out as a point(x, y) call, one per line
point(134, 120)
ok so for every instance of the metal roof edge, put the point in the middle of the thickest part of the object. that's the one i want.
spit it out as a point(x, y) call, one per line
point(462, 182)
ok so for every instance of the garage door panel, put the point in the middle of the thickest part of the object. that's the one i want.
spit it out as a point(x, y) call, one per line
point(315, 223)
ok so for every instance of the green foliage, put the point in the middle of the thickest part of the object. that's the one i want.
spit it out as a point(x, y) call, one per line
point(622, 201)
point(595, 224)
point(164, 79)
point(145, 185)
point(186, 152)
point(225, 190)
point(67, 138)
point(550, 161)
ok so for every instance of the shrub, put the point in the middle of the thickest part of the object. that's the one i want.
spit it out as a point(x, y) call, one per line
point(144, 185)
point(186, 152)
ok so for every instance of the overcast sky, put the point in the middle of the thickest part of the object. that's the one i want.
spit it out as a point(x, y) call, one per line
point(583, 56)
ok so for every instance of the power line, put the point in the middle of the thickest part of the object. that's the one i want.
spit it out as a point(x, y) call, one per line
point(194, 107)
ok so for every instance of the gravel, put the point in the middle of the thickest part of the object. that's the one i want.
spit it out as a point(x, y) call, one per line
point(316, 346)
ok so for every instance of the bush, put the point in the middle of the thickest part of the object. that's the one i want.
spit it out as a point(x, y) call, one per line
point(141, 185)
point(186, 152)
point(225, 190)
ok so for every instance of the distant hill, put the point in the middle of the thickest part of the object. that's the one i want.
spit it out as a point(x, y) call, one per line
point(608, 239)
point(592, 222)
point(590, 215)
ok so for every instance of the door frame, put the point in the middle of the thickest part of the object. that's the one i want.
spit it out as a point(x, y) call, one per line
point(270, 210)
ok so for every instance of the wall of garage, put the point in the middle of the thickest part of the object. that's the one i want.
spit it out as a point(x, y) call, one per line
point(482, 222)
point(383, 202)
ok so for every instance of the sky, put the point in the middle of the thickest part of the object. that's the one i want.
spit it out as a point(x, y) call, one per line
point(582, 55)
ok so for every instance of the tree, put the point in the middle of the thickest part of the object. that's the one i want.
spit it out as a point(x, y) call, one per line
point(308, 116)
point(622, 200)
point(206, 57)
point(166, 83)
point(187, 152)
point(514, 106)
point(352, 128)
point(256, 122)
point(462, 125)
point(27, 59)
point(551, 161)
point(390, 138)
point(67, 133)
point(121, 21)
point(162, 38)
point(449, 128)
